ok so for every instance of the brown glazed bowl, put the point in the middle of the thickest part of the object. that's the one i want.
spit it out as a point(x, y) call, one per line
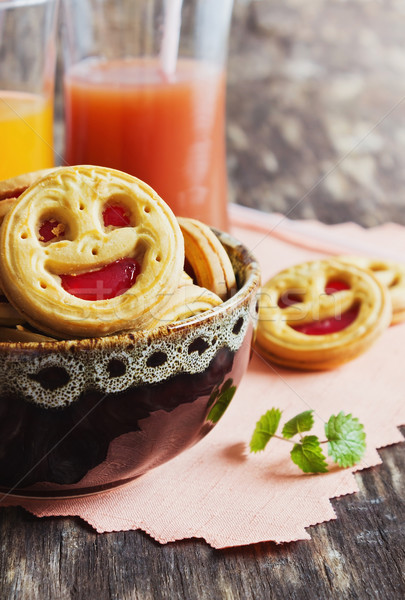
point(81, 416)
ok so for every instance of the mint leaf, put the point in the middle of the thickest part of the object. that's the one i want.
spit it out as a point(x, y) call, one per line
point(222, 401)
point(302, 422)
point(266, 427)
point(308, 455)
point(346, 439)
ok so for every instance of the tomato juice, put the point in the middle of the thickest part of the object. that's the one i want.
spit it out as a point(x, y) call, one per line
point(169, 132)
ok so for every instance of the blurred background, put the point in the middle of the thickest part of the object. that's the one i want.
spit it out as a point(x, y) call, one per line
point(316, 108)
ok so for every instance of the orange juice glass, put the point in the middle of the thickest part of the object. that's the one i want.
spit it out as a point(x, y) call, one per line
point(26, 122)
point(126, 109)
point(26, 85)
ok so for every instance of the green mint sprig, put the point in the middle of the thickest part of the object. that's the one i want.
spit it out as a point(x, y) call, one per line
point(345, 439)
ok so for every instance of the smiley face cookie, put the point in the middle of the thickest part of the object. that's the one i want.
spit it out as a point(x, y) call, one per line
point(89, 251)
point(320, 314)
point(391, 274)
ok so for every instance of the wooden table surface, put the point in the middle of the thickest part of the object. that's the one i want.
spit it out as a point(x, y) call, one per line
point(359, 555)
point(315, 129)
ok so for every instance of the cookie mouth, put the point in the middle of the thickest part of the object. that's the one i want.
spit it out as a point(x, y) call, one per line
point(330, 324)
point(327, 325)
point(110, 281)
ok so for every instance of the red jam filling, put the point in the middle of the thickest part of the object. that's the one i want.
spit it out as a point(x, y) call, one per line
point(108, 282)
point(116, 216)
point(51, 230)
point(329, 325)
point(336, 286)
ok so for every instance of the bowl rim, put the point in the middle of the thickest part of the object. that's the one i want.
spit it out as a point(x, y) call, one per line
point(251, 282)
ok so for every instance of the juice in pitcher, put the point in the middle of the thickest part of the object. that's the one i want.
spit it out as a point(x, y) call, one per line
point(26, 132)
point(169, 132)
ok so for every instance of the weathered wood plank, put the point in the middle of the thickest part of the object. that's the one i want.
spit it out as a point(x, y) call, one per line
point(361, 555)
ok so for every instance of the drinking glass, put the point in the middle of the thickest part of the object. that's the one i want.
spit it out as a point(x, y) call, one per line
point(145, 93)
point(27, 71)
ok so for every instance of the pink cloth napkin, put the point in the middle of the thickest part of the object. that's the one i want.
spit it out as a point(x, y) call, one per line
point(220, 492)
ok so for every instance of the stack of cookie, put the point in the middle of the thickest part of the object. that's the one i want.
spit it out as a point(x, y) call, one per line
point(88, 251)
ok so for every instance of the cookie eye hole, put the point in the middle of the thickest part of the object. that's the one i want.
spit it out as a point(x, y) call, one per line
point(336, 285)
point(116, 215)
point(51, 230)
point(288, 298)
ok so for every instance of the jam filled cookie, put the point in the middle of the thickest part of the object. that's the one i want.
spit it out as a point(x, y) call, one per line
point(187, 301)
point(320, 314)
point(392, 276)
point(89, 251)
point(207, 258)
point(11, 189)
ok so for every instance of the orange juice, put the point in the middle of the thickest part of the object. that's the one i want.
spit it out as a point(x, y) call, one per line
point(26, 133)
point(170, 133)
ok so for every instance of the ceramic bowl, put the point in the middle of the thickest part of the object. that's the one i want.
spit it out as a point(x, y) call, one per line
point(81, 416)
